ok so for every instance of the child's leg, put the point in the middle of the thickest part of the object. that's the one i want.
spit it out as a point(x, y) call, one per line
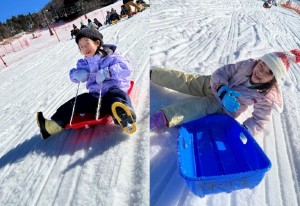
point(85, 103)
point(192, 84)
point(190, 110)
point(114, 95)
point(118, 103)
point(47, 127)
point(158, 120)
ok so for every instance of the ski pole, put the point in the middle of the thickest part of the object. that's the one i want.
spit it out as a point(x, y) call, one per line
point(99, 103)
point(74, 104)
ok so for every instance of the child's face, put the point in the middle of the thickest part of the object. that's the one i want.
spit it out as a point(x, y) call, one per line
point(261, 73)
point(88, 47)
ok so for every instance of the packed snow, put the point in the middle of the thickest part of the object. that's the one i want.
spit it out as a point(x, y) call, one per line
point(199, 37)
point(95, 166)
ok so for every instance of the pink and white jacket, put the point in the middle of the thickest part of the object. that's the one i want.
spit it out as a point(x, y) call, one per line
point(235, 75)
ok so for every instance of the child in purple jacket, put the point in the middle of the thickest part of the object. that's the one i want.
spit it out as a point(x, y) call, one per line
point(106, 75)
point(231, 89)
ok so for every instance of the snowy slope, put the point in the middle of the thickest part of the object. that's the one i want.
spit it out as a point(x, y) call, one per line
point(200, 36)
point(95, 166)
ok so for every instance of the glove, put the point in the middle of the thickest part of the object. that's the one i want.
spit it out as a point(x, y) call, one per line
point(101, 75)
point(228, 97)
point(81, 75)
point(82, 64)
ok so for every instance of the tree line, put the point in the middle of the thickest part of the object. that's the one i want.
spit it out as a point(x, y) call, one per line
point(54, 11)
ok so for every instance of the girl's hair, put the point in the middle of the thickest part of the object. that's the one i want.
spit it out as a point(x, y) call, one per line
point(266, 87)
point(101, 51)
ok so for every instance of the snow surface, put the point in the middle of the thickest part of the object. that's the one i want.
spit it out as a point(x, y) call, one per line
point(95, 166)
point(199, 37)
point(102, 165)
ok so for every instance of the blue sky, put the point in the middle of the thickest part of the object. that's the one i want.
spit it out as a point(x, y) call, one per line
point(9, 8)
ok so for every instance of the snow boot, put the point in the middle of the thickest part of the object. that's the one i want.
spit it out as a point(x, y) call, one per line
point(124, 116)
point(47, 127)
point(158, 121)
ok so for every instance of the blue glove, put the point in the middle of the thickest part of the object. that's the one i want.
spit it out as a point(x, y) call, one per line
point(101, 75)
point(82, 64)
point(81, 75)
point(229, 98)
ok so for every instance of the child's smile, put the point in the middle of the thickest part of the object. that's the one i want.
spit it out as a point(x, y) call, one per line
point(87, 52)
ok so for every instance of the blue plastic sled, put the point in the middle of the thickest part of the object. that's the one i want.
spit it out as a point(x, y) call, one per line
point(216, 154)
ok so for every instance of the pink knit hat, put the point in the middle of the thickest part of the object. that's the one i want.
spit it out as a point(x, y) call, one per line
point(279, 62)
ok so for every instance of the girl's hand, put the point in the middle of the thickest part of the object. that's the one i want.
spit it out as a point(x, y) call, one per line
point(229, 98)
point(81, 75)
point(101, 75)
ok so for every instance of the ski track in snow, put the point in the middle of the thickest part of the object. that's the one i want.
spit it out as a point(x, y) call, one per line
point(200, 37)
point(95, 166)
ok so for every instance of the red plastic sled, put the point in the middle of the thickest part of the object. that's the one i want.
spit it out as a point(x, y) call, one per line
point(87, 120)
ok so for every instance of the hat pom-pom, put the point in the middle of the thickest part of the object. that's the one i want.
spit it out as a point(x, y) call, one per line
point(296, 52)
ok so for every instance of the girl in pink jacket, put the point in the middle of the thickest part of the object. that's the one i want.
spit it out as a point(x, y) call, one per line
point(231, 89)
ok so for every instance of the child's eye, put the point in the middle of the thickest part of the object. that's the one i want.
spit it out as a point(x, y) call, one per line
point(269, 73)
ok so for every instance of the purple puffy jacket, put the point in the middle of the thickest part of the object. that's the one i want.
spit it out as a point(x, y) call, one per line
point(117, 65)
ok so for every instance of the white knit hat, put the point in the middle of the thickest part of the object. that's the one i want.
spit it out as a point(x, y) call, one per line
point(279, 62)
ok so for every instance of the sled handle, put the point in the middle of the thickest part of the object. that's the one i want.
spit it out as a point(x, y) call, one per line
point(74, 104)
point(99, 103)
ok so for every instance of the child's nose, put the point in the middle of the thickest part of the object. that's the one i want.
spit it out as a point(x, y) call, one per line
point(260, 72)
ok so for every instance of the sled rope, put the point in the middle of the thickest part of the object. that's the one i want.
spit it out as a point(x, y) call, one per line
point(74, 104)
point(99, 103)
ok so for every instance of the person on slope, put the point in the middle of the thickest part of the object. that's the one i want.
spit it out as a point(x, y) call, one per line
point(107, 18)
point(231, 89)
point(82, 25)
point(114, 16)
point(98, 23)
point(74, 31)
point(91, 25)
point(140, 5)
point(124, 11)
point(128, 4)
point(268, 4)
point(143, 3)
point(106, 73)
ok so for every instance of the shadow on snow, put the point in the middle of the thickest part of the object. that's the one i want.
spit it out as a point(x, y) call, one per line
point(94, 141)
